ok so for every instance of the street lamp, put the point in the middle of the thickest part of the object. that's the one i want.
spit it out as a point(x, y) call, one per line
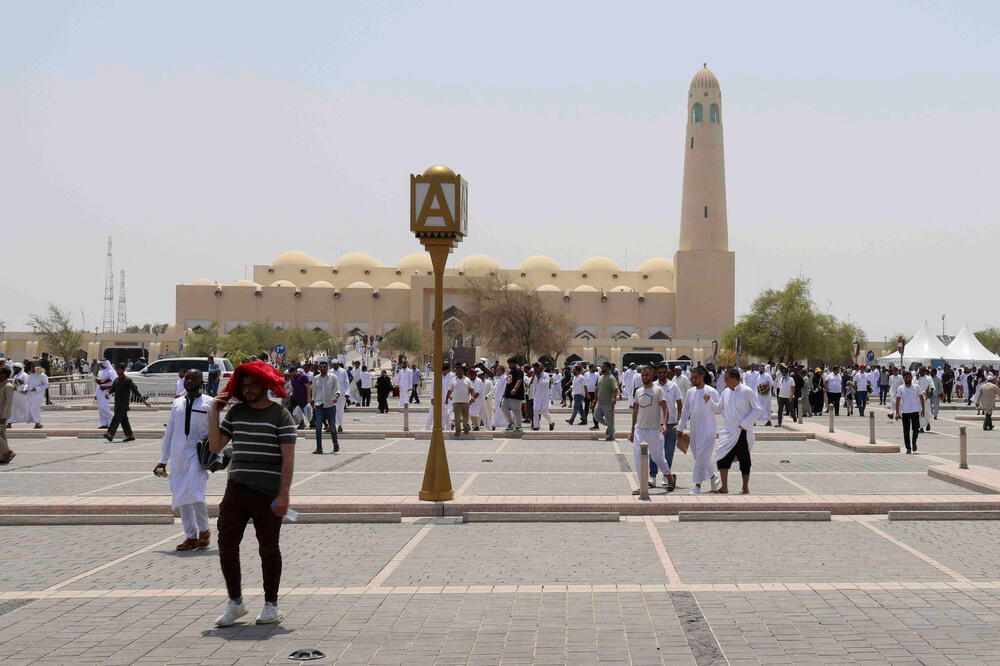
point(438, 219)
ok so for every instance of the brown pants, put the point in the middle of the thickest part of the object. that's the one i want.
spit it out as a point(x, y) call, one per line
point(4, 449)
point(461, 410)
point(239, 505)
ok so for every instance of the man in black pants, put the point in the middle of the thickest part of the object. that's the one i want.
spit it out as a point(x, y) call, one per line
point(47, 366)
point(123, 389)
point(834, 386)
point(909, 407)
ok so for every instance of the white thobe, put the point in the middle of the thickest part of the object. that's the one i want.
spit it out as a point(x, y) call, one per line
point(478, 407)
point(555, 392)
point(498, 390)
point(488, 398)
point(702, 432)
point(627, 387)
point(19, 408)
point(764, 399)
point(404, 381)
point(37, 383)
point(104, 381)
point(355, 393)
point(683, 383)
point(739, 409)
point(446, 414)
point(187, 477)
point(925, 416)
point(751, 379)
point(342, 380)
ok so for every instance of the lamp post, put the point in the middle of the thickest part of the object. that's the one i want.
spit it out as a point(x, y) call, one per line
point(438, 205)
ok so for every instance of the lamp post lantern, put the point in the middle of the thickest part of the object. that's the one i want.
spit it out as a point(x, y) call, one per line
point(438, 206)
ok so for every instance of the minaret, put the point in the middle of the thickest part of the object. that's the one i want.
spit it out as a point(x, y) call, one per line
point(704, 266)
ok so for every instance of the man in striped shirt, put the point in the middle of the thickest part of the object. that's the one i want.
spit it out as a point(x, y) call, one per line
point(262, 433)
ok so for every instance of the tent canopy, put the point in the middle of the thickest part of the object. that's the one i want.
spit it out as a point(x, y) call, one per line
point(924, 346)
point(966, 348)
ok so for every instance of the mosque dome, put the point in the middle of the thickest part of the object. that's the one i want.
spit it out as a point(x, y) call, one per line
point(622, 289)
point(246, 283)
point(282, 283)
point(540, 263)
point(396, 285)
point(296, 258)
point(597, 264)
point(478, 264)
point(548, 287)
point(418, 261)
point(657, 290)
point(360, 284)
point(705, 79)
point(204, 282)
point(656, 265)
point(358, 260)
point(584, 287)
point(323, 284)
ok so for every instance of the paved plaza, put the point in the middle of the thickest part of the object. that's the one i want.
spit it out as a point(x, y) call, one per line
point(647, 589)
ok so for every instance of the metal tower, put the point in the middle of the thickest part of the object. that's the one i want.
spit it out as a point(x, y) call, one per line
point(109, 296)
point(122, 317)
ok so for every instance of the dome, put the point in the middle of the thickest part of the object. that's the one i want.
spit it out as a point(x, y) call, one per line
point(322, 284)
point(622, 289)
point(439, 170)
point(539, 263)
point(480, 264)
point(358, 260)
point(656, 265)
point(296, 258)
point(396, 285)
point(705, 79)
point(204, 282)
point(514, 287)
point(359, 285)
point(245, 283)
point(657, 290)
point(548, 287)
point(597, 264)
point(584, 287)
point(282, 283)
point(418, 261)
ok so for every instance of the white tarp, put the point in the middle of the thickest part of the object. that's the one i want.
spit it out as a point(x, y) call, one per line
point(967, 349)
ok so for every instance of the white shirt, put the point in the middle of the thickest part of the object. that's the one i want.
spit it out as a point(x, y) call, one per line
point(324, 389)
point(672, 393)
point(862, 382)
point(579, 384)
point(180, 388)
point(366, 379)
point(591, 381)
point(834, 383)
point(461, 388)
point(909, 398)
point(786, 386)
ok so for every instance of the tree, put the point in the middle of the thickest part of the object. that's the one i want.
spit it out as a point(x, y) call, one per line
point(512, 320)
point(785, 325)
point(303, 343)
point(203, 341)
point(990, 338)
point(55, 327)
point(407, 338)
point(892, 344)
point(155, 329)
point(248, 340)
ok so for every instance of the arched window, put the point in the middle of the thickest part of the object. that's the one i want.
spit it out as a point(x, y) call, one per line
point(713, 113)
point(696, 113)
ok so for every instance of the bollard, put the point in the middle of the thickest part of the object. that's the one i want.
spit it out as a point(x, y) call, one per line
point(963, 454)
point(831, 421)
point(406, 417)
point(871, 427)
point(644, 471)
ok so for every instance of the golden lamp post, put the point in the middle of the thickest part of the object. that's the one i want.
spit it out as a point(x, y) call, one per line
point(439, 221)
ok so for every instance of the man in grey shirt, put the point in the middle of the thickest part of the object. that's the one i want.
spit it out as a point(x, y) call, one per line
point(324, 394)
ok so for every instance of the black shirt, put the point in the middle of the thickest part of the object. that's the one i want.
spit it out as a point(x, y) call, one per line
point(516, 379)
point(123, 388)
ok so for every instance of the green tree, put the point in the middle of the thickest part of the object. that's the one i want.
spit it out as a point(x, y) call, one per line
point(304, 343)
point(407, 338)
point(990, 338)
point(55, 327)
point(202, 342)
point(248, 340)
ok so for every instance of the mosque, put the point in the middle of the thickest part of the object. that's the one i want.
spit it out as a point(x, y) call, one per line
point(661, 310)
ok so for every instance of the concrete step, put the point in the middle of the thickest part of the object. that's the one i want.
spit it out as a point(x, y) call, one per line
point(944, 515)
point(10, 520)
point(540, 517)
point(347, 517)
point(752, 516)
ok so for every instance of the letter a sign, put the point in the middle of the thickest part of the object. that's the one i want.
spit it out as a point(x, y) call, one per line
point(438, 205)
point(435, 205)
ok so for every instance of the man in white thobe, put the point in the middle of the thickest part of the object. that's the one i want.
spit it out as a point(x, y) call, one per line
point(541, 398)
point(478, 407)
point(739, 408)
point(19, 409)
point(38, 383)
point(342, 380)
point(555, 382)
point(498, 390)
point(926, 385)
point(404, 382)
point(764, 384)
point(698, 411)
point(682, 380)
point(187, 423)
point(628, 385)
point(105, 379)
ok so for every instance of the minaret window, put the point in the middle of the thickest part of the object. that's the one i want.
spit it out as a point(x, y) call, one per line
point(713, 113)
point(696, 113)
point(706, 211)
point(692, 142)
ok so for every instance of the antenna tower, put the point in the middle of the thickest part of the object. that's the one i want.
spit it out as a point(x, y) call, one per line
point(122, 316)
point(109, 296)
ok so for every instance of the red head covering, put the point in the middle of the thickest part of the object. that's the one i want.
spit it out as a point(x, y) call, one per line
point(269, 377)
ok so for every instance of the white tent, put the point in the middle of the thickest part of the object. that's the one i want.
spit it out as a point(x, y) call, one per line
point(967, 349)
point(890, 359)
point(923, 347)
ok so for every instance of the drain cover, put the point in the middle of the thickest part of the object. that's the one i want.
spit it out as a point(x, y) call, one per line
point(786, 461)
point(307, 654)
point(486, 460)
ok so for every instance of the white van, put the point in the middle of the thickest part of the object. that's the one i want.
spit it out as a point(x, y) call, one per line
point(159, 378)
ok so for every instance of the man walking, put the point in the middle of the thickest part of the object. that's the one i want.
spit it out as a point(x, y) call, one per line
point(124, 390)
point(214, 373)
point(38, 386)
point(46, 364)
point(674, 404)
point(186, 425)
point(460, 394)
point(6, 404)
point(343, 384)
point(909, 406)
point(862, 386)
point(605, 396)
point(833, 384)
point(513, 396)
point(786, 391)
point(649, 412)
point(986, 400)
point(404, 382)
point(324, 396)
point(590, 381)
point(739, 408)
point(578, 394)
point(541, 398)
point(699, 411)
point(260, 476)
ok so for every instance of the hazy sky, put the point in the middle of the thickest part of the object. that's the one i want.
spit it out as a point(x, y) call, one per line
point(861, 141)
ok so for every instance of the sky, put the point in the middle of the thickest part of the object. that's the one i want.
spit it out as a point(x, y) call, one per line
point(861, 142)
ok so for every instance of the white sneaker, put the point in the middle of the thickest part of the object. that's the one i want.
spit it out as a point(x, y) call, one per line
point(652, 482)
point(270, 614)
point(234, 611)
point(695, 490)
point(716, 482)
